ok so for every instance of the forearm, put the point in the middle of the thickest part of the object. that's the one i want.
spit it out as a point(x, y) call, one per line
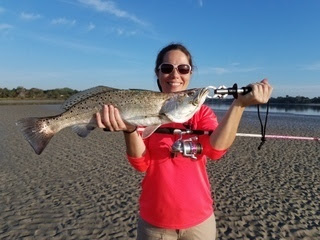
point(134, 144)
point(224, 135)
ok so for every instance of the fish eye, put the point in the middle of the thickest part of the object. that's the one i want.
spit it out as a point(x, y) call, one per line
point(190, 94)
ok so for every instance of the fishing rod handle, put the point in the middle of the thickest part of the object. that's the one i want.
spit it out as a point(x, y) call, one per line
point(234, 91)
point(223, 91)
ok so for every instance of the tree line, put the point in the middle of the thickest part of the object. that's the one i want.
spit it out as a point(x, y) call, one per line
point(297, 100)
point(35, 93)
point(64, 93)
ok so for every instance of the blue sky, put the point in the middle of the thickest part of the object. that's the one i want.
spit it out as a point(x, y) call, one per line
point(85, 43)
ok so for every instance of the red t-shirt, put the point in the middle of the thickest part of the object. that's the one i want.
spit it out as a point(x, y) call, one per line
point(176, 192)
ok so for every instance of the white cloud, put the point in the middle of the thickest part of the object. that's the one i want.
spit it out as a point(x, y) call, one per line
point(219, 70)
point(248, 69)
point(5, 26)
point(111, 8)
point(30, 16)
point(91, 26)
point(233, 68)
point(123, 32)
point(63, 21)
point(200, 3)
point(312, 67)
point(2, 10)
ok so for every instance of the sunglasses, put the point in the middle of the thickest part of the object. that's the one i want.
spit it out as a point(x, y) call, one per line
point(168, 68)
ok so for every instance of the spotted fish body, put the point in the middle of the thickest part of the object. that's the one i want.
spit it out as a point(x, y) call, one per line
point(136, 107)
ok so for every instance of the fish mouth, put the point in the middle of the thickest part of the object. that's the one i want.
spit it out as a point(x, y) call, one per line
point(203, 93)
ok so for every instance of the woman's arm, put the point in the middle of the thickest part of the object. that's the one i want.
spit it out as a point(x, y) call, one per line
point(224, 135)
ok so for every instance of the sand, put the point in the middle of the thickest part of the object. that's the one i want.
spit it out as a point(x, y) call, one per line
point(85, 188)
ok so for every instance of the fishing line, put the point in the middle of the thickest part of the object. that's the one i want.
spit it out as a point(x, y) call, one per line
point(263, 127)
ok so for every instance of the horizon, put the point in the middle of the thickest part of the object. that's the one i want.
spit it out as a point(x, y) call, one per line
point(80, 44)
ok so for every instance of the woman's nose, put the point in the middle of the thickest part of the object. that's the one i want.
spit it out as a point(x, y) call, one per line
point(175, 72)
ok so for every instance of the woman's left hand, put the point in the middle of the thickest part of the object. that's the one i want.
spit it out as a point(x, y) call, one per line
point(261, 93)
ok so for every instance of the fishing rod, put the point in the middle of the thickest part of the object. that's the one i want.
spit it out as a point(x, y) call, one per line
point(278, 137)
point(190, 147)
point(177, 131)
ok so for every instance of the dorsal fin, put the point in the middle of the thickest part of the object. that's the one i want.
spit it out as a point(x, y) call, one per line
point(83, 95)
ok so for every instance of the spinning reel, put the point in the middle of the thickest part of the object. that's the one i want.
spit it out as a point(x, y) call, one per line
point(187, 147)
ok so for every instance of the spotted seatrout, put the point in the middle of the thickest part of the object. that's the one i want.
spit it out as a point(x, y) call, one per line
point(137, 107)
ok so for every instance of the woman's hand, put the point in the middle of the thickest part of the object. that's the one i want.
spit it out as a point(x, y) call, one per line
point(261, 93)
point(109, 118)
point(225, 133)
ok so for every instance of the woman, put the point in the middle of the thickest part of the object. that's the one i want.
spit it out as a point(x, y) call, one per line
point(176, 200)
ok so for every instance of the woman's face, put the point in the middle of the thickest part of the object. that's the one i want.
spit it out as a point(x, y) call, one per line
point(174, 81)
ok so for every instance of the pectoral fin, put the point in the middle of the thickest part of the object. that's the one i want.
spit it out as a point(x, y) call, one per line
point(149, 130)
point(82, 130)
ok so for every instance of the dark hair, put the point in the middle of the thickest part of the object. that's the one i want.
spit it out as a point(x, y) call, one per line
point(168, 48)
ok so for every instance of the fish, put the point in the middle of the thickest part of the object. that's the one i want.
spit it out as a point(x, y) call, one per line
point(138, 107)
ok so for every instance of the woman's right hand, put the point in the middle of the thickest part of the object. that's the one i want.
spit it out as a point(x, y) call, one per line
point(109, 118)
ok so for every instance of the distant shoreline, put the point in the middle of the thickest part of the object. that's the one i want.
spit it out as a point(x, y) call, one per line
point(29, 101)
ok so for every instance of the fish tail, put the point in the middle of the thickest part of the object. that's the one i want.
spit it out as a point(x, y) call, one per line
point(37, 132)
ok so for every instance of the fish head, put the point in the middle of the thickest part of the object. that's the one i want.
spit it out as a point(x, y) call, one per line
point(181, 106)
point(199, 95)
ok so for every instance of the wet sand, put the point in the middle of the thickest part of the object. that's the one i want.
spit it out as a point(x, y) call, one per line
point(85, 189)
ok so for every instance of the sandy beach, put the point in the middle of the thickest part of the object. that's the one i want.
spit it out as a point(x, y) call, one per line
point(84, 188)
